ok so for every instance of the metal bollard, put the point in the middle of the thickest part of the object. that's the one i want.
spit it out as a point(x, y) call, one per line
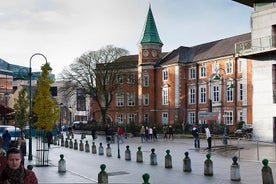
point(267, 175)
point(94, 149)
point(139, 155)
point(153, 157)
point(127, 153)
point(81, 145)
point(108, 151)
point(146, 178)
point(87, 148)
point(187, 163)
point(235, 170)
point(61, 164)
point(168, 160)
point(103, 176)
point(101, 150)
point(208, 166)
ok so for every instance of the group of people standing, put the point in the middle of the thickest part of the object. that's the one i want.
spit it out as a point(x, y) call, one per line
point(195, 133)
point(148, 134)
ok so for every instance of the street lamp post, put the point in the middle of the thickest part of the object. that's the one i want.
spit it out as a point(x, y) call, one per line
point(30, 156)
point(231, 86)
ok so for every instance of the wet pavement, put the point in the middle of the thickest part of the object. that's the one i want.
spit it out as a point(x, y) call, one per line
point(83, 167)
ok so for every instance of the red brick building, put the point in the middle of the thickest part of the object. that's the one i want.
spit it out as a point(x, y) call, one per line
point(187, 85)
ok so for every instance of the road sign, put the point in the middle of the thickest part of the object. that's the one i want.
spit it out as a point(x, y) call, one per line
point(208, 115)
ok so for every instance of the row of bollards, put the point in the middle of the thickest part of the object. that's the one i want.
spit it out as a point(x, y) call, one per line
point(267, 175)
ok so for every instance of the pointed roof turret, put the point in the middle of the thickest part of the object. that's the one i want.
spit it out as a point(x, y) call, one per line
point(150, 33)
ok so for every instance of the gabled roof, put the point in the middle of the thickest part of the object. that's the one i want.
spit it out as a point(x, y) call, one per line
point(215, 49)
point(150, 33)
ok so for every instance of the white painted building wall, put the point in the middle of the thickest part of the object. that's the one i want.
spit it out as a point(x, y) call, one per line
point(263, 108)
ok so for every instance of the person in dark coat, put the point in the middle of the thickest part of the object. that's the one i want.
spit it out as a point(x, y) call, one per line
point(49, 137)
point(195, 134)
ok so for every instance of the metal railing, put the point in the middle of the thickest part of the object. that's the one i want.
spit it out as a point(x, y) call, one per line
point(255, 46)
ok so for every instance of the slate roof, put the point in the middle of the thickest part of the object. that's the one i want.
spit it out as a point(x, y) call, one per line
point(211, 50)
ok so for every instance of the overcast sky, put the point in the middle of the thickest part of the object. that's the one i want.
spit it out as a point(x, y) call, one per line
point(63, 30)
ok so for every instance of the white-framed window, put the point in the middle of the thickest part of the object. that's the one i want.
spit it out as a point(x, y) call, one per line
point(203, 71)
point(229, 96)
point(229, 66)
point(119, 79)
point(120, 99)
point(202, 94)
point(240, 92)
point(145, 79)
point(165, 74)
point(146, 99)
point(146, 118)
point(165, 96)
point(165, 118)
point(192, 73)
point(130, 78)
point(216, 93)
point(202, 122)
point(240, 116)
point(192, 95)
point(228, 117)
point(191, 118)
point(120, 118)
point(131, 99)
point(131, 118)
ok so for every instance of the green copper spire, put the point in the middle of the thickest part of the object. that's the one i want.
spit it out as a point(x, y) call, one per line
point(150, 34)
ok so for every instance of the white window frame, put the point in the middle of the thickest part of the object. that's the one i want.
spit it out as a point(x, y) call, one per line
point(192, 73)
point(146, 118)
point(202, 94)
point(229, 67)
point(119, 79)
point(216, 93)
point(120, 118)
point(145, 79)
point(165, 96)
point(203, 71)
point(230, 94)
point(130, 78)
point(191, 118)
point(228, 117)
point(146, 100)
point(192, 95)
point(215, 67)
point(165, 74)
point(131, 99)
point(131, 118)
point(240, 115)
point(120, 99)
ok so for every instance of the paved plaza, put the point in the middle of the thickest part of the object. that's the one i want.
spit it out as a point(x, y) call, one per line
point(83, 167)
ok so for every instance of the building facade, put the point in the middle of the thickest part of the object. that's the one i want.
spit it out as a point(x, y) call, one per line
point(189, 85)
point(261, 49)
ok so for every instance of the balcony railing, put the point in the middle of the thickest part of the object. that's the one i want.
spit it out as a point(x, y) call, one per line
point(259, 45)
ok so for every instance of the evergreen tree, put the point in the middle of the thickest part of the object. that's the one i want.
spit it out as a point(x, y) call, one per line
point(45, 107)
point(21, 106)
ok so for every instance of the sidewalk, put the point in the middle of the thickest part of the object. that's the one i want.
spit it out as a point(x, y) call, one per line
point(83, 167)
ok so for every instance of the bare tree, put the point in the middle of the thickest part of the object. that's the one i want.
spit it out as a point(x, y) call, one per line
point(95, 73)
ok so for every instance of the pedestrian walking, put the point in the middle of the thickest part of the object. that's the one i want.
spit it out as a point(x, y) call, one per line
point(195, 134)
point(142, 133)
point(6, 140)
point(93, 133)
point(49, 137)
point(170, 131)
point(15, 172)
point(120, 134)
point(165, 131)
point(150, 133)
point(208, 136)
point(154, 133)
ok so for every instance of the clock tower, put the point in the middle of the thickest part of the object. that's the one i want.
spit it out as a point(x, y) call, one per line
point(150, 48)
